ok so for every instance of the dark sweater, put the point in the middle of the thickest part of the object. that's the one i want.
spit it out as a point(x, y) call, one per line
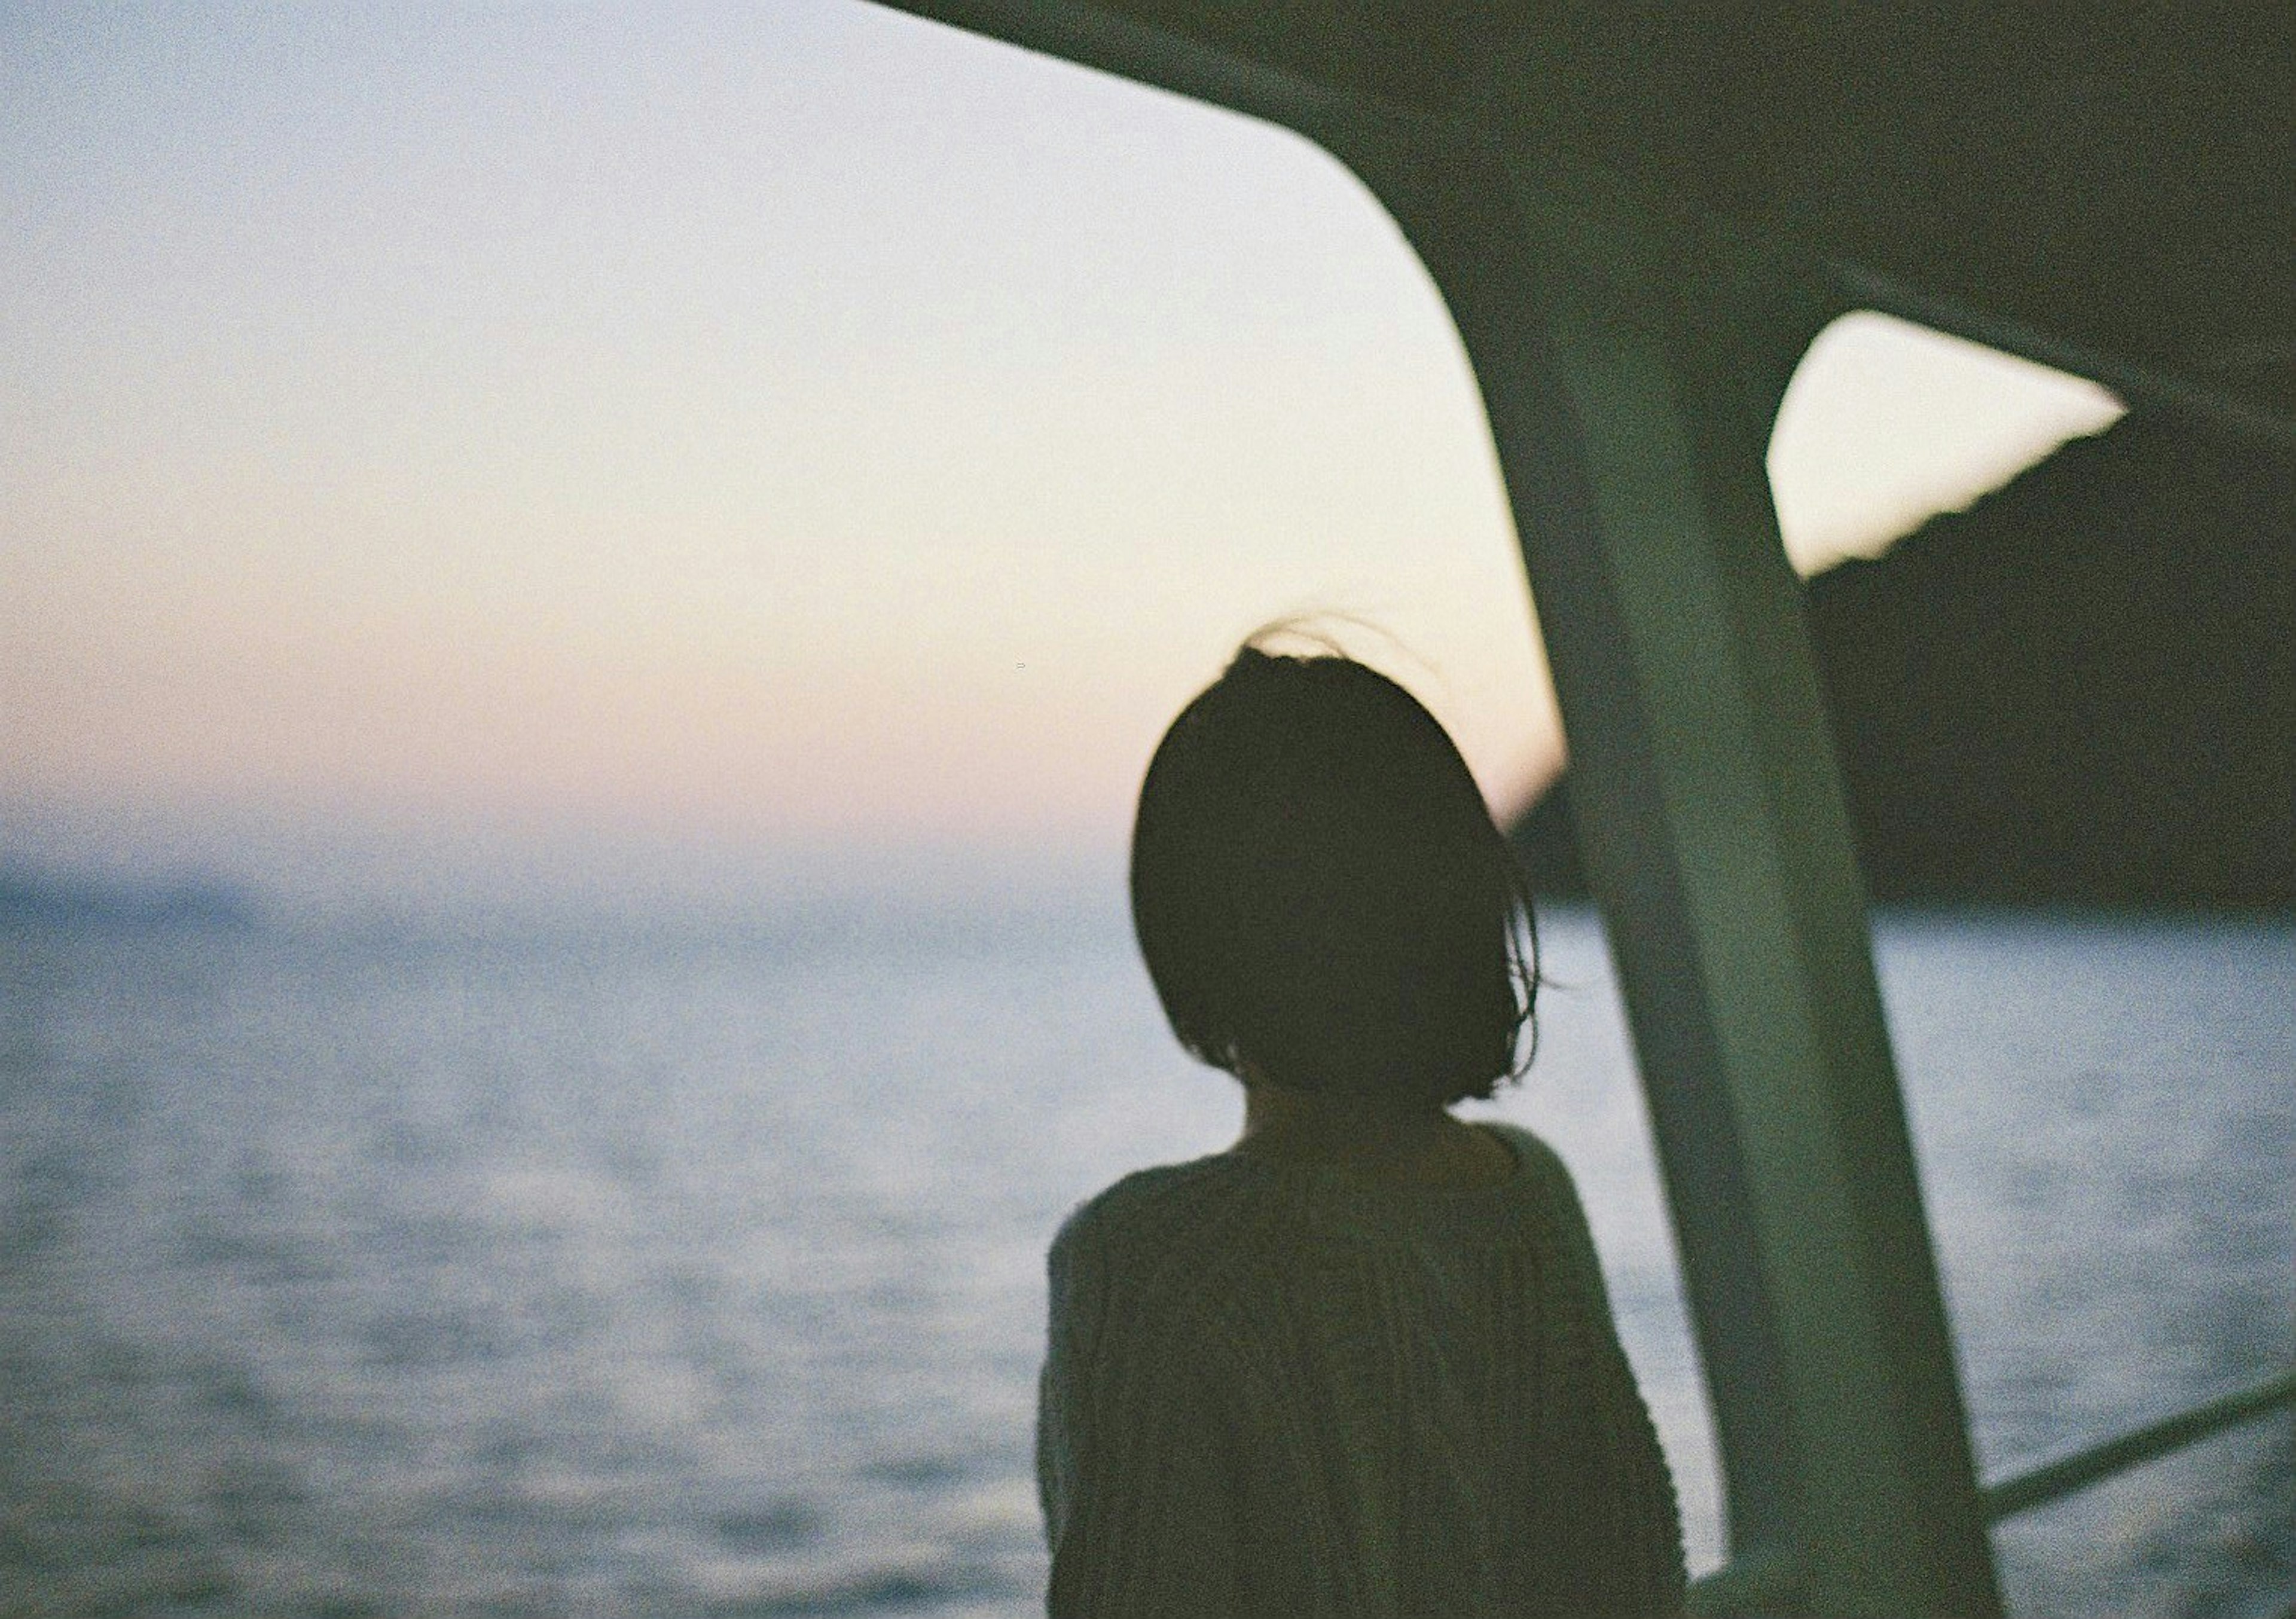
point(1282, 1390)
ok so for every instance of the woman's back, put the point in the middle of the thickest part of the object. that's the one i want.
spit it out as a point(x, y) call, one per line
point(1277, 1388)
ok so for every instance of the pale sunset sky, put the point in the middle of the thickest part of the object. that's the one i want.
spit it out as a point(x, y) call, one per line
point(743, 429)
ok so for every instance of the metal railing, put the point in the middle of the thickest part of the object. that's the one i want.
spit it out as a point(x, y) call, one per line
point(2068, 1474)
point(1764, 1582)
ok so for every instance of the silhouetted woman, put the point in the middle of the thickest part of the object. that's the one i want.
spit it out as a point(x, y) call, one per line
point(1361, 1363)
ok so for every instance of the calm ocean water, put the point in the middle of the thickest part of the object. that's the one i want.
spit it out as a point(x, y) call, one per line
point(660, 1269)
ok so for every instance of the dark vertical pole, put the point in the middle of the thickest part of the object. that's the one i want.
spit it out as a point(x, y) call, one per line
point(1631, 380)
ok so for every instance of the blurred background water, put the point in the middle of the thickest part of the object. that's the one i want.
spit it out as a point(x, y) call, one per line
point(665, 1267)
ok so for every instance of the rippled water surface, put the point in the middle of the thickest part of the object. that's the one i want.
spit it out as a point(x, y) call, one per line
point(663, 1272)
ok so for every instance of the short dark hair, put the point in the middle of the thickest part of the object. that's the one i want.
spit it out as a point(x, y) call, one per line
point(1320, 896)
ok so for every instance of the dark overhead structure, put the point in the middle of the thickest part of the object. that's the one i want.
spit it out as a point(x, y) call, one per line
point(1639, 215)
point(2104, 187)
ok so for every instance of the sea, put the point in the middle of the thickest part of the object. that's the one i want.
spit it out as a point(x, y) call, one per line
point(680, 1265)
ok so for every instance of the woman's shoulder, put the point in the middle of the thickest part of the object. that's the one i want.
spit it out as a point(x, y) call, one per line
point(1543, 1185)
point(1151, 1207)
point(1164, 1251)
point(1538, 1165)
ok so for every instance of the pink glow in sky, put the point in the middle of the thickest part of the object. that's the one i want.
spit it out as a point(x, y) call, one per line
point(770, 424)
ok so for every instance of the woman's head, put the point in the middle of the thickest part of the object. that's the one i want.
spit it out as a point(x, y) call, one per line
point(1322, 898)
